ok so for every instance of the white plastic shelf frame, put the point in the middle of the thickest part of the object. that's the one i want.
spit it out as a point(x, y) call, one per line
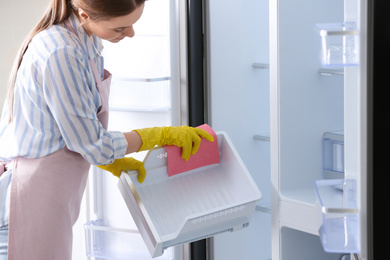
point(192, 205)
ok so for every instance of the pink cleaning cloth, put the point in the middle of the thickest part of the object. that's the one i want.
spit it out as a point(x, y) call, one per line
point(207, 154)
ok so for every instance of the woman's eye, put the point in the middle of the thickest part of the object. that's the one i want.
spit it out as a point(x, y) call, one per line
point(119, 30)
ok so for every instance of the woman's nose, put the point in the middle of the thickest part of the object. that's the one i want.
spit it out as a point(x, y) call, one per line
point(129, 32)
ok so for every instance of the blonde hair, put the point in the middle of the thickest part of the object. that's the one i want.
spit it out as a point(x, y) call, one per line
point(57, 12)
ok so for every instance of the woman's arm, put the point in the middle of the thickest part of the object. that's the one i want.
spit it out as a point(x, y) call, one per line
point(134, 142)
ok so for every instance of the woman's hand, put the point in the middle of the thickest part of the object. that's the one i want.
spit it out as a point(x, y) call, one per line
point(126, 163)
point(188, 138)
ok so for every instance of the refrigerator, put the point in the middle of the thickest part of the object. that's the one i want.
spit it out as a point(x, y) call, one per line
point(298, 87)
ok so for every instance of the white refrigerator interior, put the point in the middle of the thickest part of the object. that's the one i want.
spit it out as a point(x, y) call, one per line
point(316, 72)
point(238, 82)
point(282, 106)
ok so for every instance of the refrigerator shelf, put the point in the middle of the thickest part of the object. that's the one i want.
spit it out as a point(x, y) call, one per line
point(193, 205)
point(265, 138)
point(340, 231)
point(339, 44)
point(258, 65)
point(331, 72)
point(146, 94)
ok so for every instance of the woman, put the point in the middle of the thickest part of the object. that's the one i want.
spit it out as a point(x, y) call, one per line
point(54, 123)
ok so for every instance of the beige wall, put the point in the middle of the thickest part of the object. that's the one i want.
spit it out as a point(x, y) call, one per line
point(17, 17)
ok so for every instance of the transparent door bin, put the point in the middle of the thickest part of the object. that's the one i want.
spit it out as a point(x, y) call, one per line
point(105, 242)
point(192, 205)
point(333, 155)
point(339, 232)
point(339, 44)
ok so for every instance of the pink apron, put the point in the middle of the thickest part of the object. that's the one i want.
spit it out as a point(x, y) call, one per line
point(46, 195)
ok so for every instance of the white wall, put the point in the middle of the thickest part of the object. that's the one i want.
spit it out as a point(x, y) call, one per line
point(17, 18)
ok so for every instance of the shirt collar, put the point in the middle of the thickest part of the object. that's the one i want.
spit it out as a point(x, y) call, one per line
point(91, 47)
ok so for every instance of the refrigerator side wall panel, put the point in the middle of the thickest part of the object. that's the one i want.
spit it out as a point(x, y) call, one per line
point(274, 125)
point(239, 105)
point(356, 116)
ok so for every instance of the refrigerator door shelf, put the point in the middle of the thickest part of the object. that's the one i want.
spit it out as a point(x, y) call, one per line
point(192, 205)
point(339, 232)
point(340, 44)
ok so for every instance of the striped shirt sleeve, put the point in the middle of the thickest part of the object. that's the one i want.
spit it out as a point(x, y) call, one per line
point(69, 94)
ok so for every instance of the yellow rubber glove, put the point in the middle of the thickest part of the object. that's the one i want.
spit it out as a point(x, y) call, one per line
point(188, 138)
point(126, 163)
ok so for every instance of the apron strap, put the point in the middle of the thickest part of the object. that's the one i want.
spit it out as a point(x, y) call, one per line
point(95, 72)
point(2, 167)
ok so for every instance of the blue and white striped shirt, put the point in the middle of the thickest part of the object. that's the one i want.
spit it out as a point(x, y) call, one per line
point(56, 102)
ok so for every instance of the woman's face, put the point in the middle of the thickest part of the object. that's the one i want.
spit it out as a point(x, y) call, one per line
point(113, 30)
